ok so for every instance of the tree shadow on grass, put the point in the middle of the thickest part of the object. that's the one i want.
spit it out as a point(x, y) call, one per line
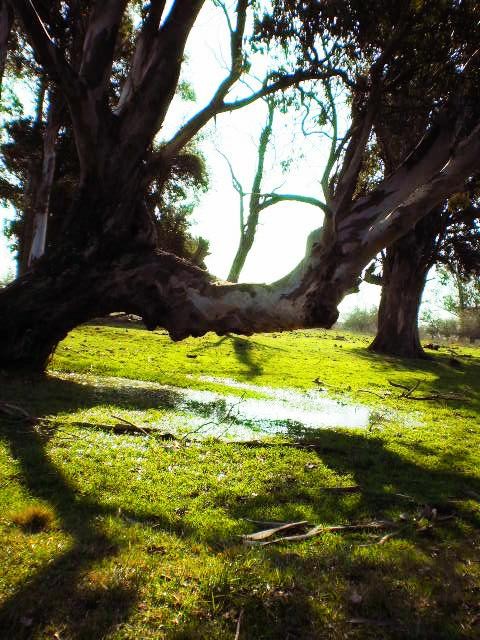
point(53, 599)
point(422, 593)
point(50, 395)
point(59, 597)
point(244, 351)
point(463, 378)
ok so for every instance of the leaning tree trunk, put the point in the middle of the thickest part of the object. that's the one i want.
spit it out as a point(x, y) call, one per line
point(405, 267)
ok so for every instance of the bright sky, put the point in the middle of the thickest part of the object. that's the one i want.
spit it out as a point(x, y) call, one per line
point(283, 230)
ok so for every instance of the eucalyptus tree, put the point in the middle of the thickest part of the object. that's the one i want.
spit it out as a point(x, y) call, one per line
point(253, 201)
point(108, 259)
point(419, 83)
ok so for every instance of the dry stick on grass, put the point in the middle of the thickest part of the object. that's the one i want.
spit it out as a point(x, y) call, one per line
point(239, 622)
point(267, 533)
point(408, 393)
point(135, 427)
point(375, 524)
point(382, 396)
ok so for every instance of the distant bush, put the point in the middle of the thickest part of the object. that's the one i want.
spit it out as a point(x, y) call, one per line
point(470, 323)
point(439, 327)
point(361, 320)
point(6, 279)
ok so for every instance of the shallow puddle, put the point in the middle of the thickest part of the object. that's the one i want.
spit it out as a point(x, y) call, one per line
point(201, 413)
point(279, 411)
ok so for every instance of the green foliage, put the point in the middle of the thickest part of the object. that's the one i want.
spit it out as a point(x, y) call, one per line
point(362, 320)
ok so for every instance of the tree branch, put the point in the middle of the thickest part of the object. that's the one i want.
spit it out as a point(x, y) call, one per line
point(99, 45)
point(274, 198)
point(143, 48)
point(6, 21)
point(49, 56)
point(159, 78)
point(217, 106)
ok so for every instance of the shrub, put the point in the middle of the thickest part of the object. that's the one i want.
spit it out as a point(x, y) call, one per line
point(362, 320)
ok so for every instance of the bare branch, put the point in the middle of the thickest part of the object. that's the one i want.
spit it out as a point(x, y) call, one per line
point(274, 198)
point(237, 185)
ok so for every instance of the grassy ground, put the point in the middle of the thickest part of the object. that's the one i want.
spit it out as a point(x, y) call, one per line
point(109, 535)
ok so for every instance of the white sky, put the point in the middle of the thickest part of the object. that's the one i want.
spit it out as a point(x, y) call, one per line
point(281, 236)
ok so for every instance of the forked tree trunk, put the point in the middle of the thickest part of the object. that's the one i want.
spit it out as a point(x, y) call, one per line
point(107, 260)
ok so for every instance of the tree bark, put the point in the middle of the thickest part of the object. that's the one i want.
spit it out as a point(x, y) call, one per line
point(41, 201)
point(34, 180)
point(405, 268)
point(6, 21)
point(107, 260)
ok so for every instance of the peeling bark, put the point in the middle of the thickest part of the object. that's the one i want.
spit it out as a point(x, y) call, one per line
point(42, 193)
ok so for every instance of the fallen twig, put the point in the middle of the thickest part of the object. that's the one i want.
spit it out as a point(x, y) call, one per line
point(239, 622)
point(408, 393)
point(135, 427)
point(350, 489)
point(375, 524)
point(382, 396)
point(267, 533)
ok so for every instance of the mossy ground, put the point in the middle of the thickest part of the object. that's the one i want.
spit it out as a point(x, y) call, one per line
point(143, 537)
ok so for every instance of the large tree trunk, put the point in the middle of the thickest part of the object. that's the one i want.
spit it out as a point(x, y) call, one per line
point(107, 261)
point(405, 268)
point(404, 276)
point(39, 309)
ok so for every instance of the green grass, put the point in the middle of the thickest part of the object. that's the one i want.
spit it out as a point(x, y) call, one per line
point(141, 536)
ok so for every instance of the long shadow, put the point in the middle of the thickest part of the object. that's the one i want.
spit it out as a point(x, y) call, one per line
point(54, 597)
point(69, 395)
point(388, 484)
point(385, 479)
point(244, 351)
point(55, 588)
point(462, 378)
